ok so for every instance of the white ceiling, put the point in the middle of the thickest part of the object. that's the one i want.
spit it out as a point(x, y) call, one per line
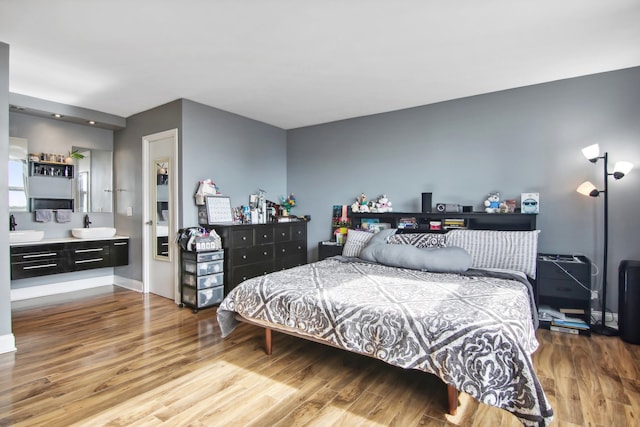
point(293, 63)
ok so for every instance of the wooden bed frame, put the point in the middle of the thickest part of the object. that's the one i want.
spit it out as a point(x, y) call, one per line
point(452, 392)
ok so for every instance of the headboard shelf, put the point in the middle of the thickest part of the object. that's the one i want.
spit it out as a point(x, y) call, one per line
point(472, 220)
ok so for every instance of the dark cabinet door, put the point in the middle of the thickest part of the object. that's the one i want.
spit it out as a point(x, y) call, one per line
point(119, 252)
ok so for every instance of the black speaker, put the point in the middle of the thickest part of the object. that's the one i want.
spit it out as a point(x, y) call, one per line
point(629, 301)
point(426, 202)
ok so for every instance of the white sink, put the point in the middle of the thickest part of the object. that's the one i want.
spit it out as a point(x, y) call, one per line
point(25, 236)
point(93, 233)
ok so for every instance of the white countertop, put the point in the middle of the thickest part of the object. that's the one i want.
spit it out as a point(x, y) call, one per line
point(66, 240)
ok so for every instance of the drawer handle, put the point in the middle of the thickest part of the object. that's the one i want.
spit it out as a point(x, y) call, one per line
point(244, 237)
point(299, 248)
point(284, 234)
point(244, 257)
point(81, 251)
point(119, 243)
point(84, 261)
point(39, 255)
point(32, 267)
point(265, 253)
point(284, 250)
point(264, 235)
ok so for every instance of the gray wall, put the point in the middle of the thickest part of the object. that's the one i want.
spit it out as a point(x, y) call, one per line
point(54, 136)
point(127, 162)
point(520, 140)
point(239, 154)
point(5, 283)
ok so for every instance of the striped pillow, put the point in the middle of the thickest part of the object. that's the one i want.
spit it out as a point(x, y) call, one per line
point(419, 240)
point(356, 240)
point(511, 250)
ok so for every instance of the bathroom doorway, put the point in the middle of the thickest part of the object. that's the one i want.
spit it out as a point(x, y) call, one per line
point(160, 255)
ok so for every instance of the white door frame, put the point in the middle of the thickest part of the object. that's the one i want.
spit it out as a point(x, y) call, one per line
point(147, 249)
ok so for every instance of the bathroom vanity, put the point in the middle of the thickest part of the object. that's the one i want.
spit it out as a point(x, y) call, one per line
point(65, 255)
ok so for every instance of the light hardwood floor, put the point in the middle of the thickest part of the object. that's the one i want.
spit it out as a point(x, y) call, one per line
point(123, 358)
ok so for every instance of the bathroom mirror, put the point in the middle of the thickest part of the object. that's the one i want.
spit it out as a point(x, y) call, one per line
point(161, 212)
point(18, 175)
point(93, 180)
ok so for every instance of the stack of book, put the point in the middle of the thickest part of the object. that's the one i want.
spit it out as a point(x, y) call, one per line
point(451, 223)
point(570, 325)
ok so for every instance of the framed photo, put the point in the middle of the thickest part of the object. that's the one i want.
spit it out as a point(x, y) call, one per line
point(530, 203)
point(218, 210)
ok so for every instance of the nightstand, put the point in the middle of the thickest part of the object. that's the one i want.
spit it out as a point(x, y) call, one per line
point(328, 249)
point(564, 283)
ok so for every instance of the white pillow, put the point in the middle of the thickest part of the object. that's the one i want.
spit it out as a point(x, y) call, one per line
point(356, 240)
point(511, 250)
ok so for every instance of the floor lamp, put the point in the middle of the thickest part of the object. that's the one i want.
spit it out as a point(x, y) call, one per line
point(592, 153)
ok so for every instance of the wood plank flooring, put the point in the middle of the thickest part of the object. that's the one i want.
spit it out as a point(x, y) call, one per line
point(127, 359)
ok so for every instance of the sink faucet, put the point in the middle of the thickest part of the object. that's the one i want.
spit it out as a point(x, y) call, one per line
point(12, 223)
point(87, 222)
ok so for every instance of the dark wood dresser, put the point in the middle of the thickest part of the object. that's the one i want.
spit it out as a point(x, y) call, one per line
point(252, 250)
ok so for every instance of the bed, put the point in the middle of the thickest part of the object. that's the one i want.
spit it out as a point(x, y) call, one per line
point(466, 314)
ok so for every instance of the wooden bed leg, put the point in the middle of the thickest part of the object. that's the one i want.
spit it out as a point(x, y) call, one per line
point(267, 341)
point(452, 395)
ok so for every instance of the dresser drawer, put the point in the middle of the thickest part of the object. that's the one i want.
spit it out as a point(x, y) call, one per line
point(284, 249)
point(241, 238)
point(203, 297)
point(202, 282)
point(203, 256)
point(252, 255)
point(562, 289)
point(290, 261)
point(203, 268)
point(240, 274)
point(282, 233)
point(263, 235)
point(562, 270)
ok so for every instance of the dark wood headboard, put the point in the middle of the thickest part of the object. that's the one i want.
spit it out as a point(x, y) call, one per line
point(471, 220)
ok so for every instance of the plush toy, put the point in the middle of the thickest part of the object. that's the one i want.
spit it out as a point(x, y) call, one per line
point(360, 205)
point(492, 204)
point(382, 205)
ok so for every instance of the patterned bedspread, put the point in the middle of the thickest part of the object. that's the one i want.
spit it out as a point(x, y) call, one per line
point(473, 331)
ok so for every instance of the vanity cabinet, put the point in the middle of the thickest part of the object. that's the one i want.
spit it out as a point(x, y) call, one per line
point(39, 260)
point(255, 249)
point(119, 251)
point(88, 255)
point(32, 260)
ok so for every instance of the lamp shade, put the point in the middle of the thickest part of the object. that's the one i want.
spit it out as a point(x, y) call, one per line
point(587, 189)
point(621, 169)
point(591, 152)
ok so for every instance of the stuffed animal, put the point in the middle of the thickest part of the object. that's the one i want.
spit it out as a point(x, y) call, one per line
point(492, 204)
point(360, 205)
point(382, 205)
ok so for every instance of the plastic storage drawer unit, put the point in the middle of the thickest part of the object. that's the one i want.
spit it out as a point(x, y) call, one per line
point(202, 278)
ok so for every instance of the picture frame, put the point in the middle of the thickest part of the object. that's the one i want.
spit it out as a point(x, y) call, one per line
point(218, 210)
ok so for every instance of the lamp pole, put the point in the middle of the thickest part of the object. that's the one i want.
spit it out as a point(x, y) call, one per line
point(603, 329)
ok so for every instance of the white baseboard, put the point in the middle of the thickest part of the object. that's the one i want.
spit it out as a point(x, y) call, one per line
point(7, 343)
point(124, 282)
point(29, 292)
point(20, 294)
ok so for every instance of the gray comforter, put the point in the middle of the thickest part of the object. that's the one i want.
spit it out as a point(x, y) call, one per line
point(473, 331)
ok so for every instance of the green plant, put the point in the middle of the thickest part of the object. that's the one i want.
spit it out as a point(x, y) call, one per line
point(75, 154)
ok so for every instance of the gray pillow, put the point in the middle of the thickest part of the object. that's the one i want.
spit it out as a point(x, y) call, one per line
point(440, 260)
